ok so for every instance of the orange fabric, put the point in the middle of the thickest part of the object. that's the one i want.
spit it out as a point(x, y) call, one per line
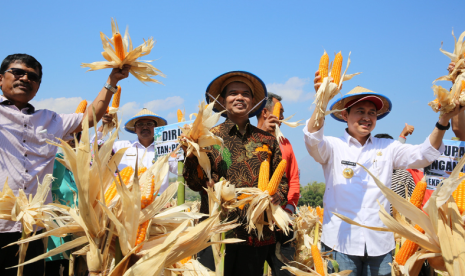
point(292, 172)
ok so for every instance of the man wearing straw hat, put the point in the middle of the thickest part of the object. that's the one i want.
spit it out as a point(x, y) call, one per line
point(242, 95)
point(350, 191)
point(143, 149)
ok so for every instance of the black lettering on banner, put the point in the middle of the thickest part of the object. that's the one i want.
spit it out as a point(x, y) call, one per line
point(158, 150)
point(462, 151)
point(435, 164)
point(166, 150)
point(173, 134)
point(455, 150)
point(449, 166)
point(447, 151)
point(179, 132)
point(442, 165)
point(164, 136)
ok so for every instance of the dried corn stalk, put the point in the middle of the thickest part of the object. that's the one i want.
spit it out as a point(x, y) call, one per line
point(328, 90)
point(142, 70)
point(458, 56)
point(198, 135)
point(444, 237)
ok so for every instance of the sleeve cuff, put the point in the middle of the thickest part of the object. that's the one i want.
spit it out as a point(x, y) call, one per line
point(313, 139)
point(290, 208)
point(402, 139)
point(430, 152)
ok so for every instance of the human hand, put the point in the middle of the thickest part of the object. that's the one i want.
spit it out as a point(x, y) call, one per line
point(107, 119)
point(316, 80)
point(408, 130)
point(210, 183)
point(445, 118)
point(270, 122)
point(118, 74)
point(275, 199)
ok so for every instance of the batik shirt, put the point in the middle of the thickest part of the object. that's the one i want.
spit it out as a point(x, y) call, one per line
point(239, 162)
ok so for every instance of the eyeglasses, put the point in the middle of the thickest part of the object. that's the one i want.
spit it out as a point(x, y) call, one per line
point(19, 73)
point(150, 124)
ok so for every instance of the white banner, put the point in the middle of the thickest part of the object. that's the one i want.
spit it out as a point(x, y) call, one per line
point(166, 140)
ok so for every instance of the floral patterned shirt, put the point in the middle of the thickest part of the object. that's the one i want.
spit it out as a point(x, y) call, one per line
point(239, 162)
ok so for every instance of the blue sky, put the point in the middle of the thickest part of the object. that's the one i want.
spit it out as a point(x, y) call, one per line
point(394, 43)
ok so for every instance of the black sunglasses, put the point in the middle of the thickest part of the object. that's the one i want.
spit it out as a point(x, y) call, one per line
point(19, 73)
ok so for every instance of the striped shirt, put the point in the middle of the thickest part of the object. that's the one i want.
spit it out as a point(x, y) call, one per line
point(402, 180)
point(24, 154)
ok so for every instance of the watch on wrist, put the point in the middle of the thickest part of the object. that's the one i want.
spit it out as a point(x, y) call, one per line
point(111, 88)
point(441, 127)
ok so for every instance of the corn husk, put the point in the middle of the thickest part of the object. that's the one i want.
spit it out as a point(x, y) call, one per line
point(444, 232)
point(279, 135)
point(142, 70)
point(457, 56)
point(260, 203)
point(198, 135)
point(329, 90)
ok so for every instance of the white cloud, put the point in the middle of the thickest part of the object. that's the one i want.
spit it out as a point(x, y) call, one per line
point(59, 105)
point(291, 90)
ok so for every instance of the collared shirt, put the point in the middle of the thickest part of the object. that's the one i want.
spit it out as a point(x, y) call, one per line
point(239, 162)
point(356, 198)
point(24, 154)
point(147, 157)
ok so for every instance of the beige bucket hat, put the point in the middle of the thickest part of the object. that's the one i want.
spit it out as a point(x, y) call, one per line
point(144, 114)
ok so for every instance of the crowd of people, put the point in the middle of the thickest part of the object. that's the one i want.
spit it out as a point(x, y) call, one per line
point(25, 158)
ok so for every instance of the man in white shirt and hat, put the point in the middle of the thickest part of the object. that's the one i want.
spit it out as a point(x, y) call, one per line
point(350, 191)
point(143, 148)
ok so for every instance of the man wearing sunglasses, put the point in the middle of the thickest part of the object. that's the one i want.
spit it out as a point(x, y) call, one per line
point(25, 157)
point(143, 149)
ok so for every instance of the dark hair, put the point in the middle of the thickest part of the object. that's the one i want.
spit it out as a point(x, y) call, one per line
point(223, 92)
point(269, 102)
point(384, 135)
point(28, 60)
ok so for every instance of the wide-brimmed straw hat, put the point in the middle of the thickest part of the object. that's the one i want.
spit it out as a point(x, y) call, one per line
point(144, 114)
point(383, 104)
point(255, 84)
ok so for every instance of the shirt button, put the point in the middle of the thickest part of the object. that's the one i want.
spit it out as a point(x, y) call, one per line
point(27, 171)
point(25, 125)
point(24, 141)
point(25, 155)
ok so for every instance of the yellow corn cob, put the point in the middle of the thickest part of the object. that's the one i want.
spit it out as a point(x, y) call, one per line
point(323, 68)
point(459, 195)
point(185, 260)
point(463, 83)
point(199, 172)
point(336, 70)
point(116, 98)
point(272, 186)
point(319, 212)
point(141, 232)
point(119, 48)
point(242, 197)
point(179, 115)
point(277, 109)
point(125, 174)
point(81, 107)
point(408, 249)
point(264, 175)
point(317, 260)
point(310, 208)
point(418, 193)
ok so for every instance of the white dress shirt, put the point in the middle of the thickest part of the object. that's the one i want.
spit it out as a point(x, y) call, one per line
point(356, 198)
point(147, 157)
point(25, 157)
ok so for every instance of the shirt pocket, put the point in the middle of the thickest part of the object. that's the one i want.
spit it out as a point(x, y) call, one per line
point(44, 148)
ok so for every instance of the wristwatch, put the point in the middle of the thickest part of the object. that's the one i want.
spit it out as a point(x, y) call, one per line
point(111, 88)
point(441, 127)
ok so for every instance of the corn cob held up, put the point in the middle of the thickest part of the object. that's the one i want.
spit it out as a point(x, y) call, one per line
point(272, 186)
point(277, 109)
point(116, 98)
point(336, 70)
point(323, 68)
point(180, 115)
point(264, 175)
point(119, 48)
point(316, 255)
point(459, 195)
point(146, 199)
